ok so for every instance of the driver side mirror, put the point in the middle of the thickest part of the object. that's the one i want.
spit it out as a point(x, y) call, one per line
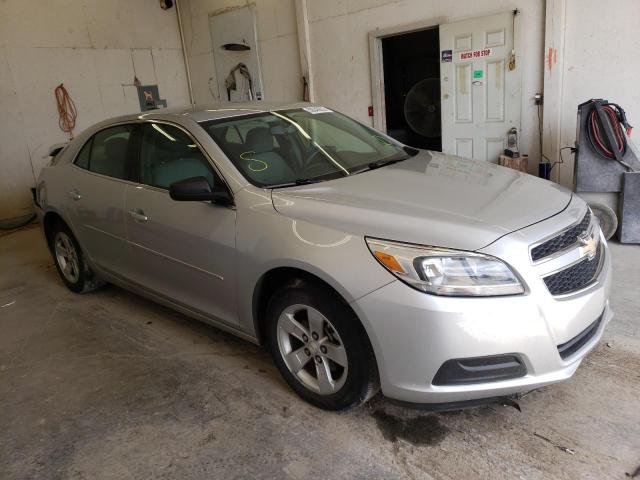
point(197, 189)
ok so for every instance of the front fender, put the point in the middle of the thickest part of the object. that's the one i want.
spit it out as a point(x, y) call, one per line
point(266, 240)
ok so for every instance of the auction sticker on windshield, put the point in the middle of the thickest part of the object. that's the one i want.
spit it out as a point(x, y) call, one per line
point(314, 110)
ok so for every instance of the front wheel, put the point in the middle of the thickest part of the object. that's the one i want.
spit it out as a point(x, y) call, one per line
point(320, 347)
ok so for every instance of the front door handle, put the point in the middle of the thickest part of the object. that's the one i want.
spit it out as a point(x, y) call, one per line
point(74, 195)
point(138, 215)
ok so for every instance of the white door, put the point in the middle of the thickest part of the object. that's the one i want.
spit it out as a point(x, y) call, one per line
point(481, 95)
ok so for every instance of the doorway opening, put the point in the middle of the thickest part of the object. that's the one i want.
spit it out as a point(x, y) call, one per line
point(411, 68)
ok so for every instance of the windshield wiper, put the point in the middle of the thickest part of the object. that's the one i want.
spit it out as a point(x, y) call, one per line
point(378, 164)
point(299, 181)
point(384, 163)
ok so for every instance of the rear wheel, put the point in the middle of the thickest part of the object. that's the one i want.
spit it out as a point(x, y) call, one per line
point(70, 262)
point(320, 347)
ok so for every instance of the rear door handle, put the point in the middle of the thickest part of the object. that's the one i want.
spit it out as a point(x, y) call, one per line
point(138, 215)
point(74, 195)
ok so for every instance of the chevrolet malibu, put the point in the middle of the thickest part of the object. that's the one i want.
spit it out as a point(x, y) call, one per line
point(361, 263)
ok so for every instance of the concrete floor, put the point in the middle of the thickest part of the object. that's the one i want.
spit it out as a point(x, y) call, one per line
point(111, 386)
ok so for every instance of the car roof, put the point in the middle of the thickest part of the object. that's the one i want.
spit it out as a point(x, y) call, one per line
point(204, 113)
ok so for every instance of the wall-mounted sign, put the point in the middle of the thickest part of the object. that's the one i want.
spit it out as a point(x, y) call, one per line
point(478, 74)
point(447, 55)
point(149, 98)
point(472, 54)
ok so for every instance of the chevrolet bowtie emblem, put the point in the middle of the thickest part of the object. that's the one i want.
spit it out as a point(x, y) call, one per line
point(588, 245)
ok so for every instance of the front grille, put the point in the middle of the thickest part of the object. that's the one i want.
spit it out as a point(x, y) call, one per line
point(576, 343)
point(562, 241)
point(576, 277)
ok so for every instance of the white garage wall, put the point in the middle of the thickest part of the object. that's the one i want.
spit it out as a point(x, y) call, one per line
point(340, 48)
point(600, 61)
point(94, 47)
point(277, 47)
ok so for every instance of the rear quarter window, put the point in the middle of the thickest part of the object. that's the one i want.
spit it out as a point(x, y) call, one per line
point(82, 160)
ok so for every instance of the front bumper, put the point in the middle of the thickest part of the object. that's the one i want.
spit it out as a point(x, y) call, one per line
point(413, 334)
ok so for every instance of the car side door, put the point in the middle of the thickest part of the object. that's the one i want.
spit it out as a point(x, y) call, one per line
point(95, 186)
point(181, 250)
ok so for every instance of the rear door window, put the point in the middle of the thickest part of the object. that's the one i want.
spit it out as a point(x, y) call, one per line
point(107, 151)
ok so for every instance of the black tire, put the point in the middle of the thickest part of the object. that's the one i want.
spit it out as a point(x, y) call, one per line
point(84, 279)
point(361, 381)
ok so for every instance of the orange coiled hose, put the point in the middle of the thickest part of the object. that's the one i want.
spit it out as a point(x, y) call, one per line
point(67, 112)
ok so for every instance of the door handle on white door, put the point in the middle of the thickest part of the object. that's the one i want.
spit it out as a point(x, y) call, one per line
point(138, 215)
point(75, 195)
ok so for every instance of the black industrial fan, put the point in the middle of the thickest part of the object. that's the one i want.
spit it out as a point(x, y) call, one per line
point(422, 108)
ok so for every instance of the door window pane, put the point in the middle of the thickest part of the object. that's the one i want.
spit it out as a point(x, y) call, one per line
point(168, 155)
point(109, 151)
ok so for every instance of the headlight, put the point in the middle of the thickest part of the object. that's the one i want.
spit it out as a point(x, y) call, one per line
point(443, 271)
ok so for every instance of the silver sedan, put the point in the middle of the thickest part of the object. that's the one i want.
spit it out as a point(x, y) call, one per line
point(361, 263)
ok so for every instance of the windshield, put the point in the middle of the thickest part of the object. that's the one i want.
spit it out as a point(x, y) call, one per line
point(305, 145)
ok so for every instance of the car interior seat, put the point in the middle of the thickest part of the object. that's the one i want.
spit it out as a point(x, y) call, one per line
point(181, 168)
point(261, 161)
point(112, 160)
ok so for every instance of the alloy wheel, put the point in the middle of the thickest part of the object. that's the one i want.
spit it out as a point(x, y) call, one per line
point(312, 349)
point(67, 257)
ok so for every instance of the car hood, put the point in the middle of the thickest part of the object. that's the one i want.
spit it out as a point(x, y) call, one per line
point(430, 199)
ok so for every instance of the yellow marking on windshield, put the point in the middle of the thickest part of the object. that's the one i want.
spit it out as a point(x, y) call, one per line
point(251, 152)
